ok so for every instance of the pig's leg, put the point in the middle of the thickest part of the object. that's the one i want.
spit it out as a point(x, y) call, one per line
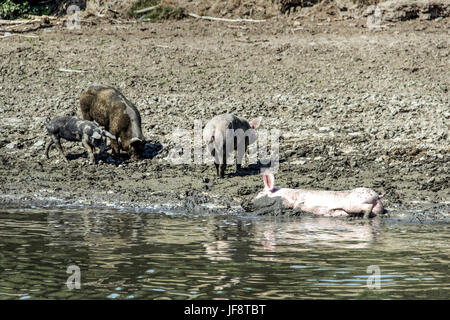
point(47, 147)
point(115, 147)
point(223, 165)
point(86, 115)
point(115, 144)
point(239, 158)
point(321, 211)
point(325, 211)
point(217, 168)
point(57, 142)
point(222, 170)
point(220, 160)
point(367, 210)
point(364, 208)
point(339, 213)
point(88, 148)
point(125, 144)
point(216, 160)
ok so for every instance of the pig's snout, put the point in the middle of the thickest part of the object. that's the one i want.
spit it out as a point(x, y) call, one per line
point(136, 150)
point(97, 140)
point(102, 145)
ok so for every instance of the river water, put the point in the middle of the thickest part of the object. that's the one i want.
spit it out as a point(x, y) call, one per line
point(120, 254)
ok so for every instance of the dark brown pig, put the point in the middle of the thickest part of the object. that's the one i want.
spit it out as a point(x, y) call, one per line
point(109, 108)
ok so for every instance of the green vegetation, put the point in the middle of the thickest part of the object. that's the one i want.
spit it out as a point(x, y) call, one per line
point(162, 12)
point(13, 9)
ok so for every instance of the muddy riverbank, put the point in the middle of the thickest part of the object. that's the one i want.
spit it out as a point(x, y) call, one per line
point(354, 106)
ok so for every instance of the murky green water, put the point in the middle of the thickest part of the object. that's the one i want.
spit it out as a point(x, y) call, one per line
point(129, 255)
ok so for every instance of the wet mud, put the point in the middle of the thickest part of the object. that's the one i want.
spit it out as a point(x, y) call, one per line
point(354, 107)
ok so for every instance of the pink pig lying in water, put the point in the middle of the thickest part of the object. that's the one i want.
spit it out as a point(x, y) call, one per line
point(326, 203)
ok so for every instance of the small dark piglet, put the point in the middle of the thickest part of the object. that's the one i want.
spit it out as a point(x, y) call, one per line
point(75, 129)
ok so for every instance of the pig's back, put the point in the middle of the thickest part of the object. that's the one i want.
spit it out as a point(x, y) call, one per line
point(96, 104)
point(220, 122)
point(103, 102)
point(323, 198)
point(66, 127)
point(233, 122)
point(102, 97)
point(218, 126)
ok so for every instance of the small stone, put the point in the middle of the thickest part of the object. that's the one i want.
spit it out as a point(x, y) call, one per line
point(12, 145)
point(39, 143)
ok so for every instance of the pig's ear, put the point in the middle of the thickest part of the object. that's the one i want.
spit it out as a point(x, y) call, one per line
point(269, 180)
point(108, 134)
point(254, 124)
point(96, 135)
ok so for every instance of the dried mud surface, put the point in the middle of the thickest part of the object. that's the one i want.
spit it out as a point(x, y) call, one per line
point(355, 107)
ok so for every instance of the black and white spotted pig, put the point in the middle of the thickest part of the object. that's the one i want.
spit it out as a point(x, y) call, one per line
point(75, 129)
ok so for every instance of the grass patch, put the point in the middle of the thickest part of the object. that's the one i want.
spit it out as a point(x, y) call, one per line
point(162, 12)
point(13, 9)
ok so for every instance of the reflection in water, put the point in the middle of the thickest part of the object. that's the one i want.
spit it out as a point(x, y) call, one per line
point(321, 231)
point(128, 255)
